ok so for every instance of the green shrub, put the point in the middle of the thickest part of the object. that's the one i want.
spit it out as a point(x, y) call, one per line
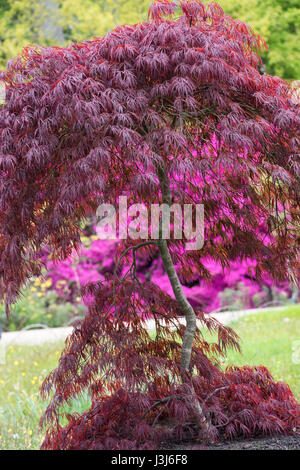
point(40, 304)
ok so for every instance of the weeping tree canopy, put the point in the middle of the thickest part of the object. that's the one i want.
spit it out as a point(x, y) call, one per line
point(171, 110)
point(184, 91)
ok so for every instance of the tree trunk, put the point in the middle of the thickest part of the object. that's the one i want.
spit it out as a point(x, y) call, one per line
point(185, 307)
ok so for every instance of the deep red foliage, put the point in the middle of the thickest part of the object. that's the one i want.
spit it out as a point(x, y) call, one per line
point(79, 120)
point(134, 381)
point(242, 402)
point(170, 99)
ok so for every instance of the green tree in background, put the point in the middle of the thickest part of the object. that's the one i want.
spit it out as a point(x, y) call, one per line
point(86, 19)
point(278, 22)
point(26, 21)
point(58, 22)
point(48, 23)
point(4, 5)
point(127, 11)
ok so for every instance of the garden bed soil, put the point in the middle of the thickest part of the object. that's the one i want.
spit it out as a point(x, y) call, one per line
point(262, 443)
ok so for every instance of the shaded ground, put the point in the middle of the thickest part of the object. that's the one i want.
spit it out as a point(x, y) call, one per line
point(264, 443)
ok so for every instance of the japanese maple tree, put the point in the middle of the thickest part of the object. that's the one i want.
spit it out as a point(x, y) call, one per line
point(171, 110)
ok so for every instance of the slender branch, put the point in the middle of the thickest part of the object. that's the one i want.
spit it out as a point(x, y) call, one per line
point(159, 402)
point(134, 248)
point(212, 393)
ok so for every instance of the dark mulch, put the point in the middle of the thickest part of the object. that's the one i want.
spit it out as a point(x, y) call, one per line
point(262, 443)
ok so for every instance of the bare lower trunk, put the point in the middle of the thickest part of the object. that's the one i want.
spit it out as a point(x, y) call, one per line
point(184, 305)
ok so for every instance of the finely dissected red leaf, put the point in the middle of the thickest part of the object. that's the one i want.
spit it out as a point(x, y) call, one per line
point(88, 123)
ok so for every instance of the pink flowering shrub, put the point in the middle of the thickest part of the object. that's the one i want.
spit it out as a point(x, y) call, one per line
point(229, 289)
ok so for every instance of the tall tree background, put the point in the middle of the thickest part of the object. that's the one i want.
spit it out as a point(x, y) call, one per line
point(59, 22)
point(278, 22)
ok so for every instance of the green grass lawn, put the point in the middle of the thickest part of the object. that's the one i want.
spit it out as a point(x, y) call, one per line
point(20, 404)
point(266, 339)
point(269, 339)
